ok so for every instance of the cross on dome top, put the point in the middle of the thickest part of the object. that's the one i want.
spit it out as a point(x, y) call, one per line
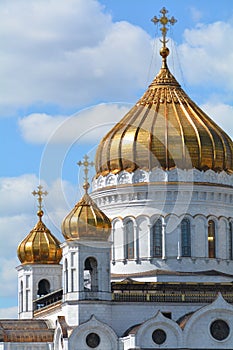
point(164, 21)
point(86, 165)
point(40, 195)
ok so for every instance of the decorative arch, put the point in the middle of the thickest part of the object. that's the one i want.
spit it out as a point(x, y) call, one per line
point(144, 337)
point(107, 337)
point(185, 237)
point(205, 316)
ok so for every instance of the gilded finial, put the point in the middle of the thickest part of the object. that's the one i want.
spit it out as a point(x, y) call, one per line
point(164, 21)
point(86, 165)
point(40, 195)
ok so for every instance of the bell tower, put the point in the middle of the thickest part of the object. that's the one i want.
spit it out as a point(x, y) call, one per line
point(86, 251)
point(40, 272)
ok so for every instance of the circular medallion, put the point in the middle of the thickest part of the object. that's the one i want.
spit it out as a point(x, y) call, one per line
point(159, 336)
point(219, 330)
point(92, 340)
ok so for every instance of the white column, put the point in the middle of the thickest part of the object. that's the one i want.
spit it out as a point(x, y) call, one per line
point(164, 241)
point(136, 237)
point(178, 249)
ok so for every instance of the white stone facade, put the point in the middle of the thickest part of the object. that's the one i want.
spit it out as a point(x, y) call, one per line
point(30, 277)
point(172, 197)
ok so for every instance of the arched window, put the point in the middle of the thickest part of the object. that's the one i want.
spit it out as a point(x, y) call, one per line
point(185, 238)
point(230, 241)
point(90, 275)
point(157, 239)
point(66, 276)
point(211, 239)
point(129, 238)
point(43, 287)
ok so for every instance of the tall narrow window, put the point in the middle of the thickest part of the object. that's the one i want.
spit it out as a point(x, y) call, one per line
point(73, 272)
point(185, 238)
point(157, 239)
point(230, 241)
point(211, 239)
point(27, 300)
point(66, 276)
point(129, 237)
point(21, 297)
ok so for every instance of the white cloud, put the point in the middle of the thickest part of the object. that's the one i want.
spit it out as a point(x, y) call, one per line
point(222, 115)
point(207, 56)
point(85, 126)
point(16, 193)
point(68, 53)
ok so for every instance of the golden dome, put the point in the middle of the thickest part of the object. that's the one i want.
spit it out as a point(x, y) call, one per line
point(86, 221)
point(164, 129)
point(40, 246)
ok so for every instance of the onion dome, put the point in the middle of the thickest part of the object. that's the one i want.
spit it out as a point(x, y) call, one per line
point(40, 246)
point(86, 221)
point(165, 129)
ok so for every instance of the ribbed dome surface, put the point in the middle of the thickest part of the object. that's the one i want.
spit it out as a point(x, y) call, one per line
point(164, 129)
point(40, 246)
point(86, 221)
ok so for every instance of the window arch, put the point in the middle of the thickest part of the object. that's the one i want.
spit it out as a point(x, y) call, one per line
point(91, 275)
point(43, 287)
point(211, 239)
point(185, 238)
point(129, 238)
point(230, 240)
point(157, 238)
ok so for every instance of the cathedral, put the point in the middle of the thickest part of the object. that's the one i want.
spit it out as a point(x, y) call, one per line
point(147, 256)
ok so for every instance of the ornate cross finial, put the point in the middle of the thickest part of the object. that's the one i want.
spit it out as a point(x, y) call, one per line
point(40, 195)
point(86, 165)
point(164, 21)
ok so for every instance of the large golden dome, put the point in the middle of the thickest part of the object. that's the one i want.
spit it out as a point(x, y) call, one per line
point(86, 221)
point(40, 246)
point(164, 129)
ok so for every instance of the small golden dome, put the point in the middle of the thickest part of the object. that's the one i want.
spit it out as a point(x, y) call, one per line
point(164, 129)
point(40, 246)
point(86, 221)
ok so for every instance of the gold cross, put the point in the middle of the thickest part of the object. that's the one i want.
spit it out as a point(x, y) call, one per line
point(40, 195)
point(86, 165)
point(164, 20)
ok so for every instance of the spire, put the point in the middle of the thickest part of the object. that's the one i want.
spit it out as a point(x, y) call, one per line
point(164, 21)
point(86, 165)
point(40, 195)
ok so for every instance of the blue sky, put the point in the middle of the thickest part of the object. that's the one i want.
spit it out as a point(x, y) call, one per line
point(69, 70)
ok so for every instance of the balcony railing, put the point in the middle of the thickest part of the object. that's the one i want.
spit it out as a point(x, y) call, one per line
point(170, 297)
